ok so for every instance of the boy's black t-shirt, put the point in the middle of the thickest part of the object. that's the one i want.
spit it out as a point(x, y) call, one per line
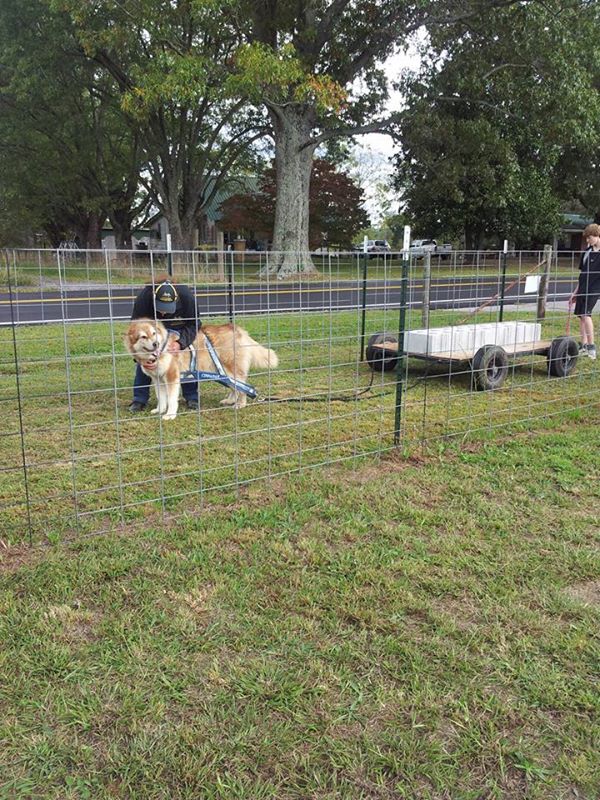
point(184, 320)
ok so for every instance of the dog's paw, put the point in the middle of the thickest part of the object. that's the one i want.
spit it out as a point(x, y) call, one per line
point(155, 411)
point(169, 416)
point(228, 401)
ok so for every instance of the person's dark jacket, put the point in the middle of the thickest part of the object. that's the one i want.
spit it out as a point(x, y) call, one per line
point(589, 275)
point(184, 321)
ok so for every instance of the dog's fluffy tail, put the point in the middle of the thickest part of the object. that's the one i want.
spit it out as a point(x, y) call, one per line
point(263, 357)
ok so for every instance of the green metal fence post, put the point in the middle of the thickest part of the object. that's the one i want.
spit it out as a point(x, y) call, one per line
point(13, 325)
point(426, 290)
point(401, 366)
point(364, 307)
point(503, 282)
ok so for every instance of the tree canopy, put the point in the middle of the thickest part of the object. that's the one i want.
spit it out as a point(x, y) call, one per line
point(316, 67)
point(169, 63)
point(490, 117)
point(107, 105)
point(66, 159)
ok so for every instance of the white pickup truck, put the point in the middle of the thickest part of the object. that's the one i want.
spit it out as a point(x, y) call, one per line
point(419, 247)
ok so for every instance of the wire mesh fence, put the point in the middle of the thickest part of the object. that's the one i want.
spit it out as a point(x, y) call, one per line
point(375, 352)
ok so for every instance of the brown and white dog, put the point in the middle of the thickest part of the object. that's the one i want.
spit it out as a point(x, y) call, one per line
point(147, 341)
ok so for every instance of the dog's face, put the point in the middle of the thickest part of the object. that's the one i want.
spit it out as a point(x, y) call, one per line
point(144, 340)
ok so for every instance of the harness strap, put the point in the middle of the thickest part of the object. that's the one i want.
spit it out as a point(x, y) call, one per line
point(213, 354)
point(192, 367)
point(220, 376)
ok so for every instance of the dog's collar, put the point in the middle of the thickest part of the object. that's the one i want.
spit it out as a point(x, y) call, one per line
point(156, 354)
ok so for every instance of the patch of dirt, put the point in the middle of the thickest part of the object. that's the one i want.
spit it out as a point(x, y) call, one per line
point(13, 557)
point(274, 488)
point(464, 612)
point(77, 624)
point(194, 603)
point(390, 464)
point(588, 593)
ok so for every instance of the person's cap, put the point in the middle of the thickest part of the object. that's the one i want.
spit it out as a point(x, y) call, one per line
point(165, 298)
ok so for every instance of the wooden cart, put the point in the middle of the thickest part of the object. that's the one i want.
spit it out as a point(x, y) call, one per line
point(488, 364)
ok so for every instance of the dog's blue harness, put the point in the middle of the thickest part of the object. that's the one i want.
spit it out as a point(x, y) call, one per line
point(220, 376)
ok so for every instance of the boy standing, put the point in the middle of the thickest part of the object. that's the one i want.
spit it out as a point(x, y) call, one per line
point(587, 293)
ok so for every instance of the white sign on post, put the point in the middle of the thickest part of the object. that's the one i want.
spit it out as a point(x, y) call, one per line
point(532, 284)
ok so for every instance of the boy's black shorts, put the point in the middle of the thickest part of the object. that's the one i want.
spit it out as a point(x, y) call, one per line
point(584, 304)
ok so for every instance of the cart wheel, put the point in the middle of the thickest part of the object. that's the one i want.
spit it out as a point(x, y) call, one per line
point(381, 360)
point(562, 356)
point(490, 367)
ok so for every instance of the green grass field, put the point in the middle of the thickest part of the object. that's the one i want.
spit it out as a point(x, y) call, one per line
point(74, 461)
point(422, 628)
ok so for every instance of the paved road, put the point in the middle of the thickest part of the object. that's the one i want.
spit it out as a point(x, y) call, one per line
point(115, 302)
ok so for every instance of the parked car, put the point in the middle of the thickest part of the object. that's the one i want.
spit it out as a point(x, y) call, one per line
point(419, 247)
point(373, 246)
point(444, 250)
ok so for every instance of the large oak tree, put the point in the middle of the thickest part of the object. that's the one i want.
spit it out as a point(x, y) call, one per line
point(316, 67)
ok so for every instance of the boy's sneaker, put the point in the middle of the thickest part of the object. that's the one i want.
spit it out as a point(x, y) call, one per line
point(591, 351)
point(583, 349)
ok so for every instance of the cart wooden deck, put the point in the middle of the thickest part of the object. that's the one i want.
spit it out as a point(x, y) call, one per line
point(525, 348)
point(489, 363)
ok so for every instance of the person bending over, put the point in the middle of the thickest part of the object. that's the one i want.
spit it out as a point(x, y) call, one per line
point(175, 306)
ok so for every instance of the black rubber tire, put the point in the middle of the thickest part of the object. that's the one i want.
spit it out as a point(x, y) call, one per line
point(381, 360)
point(562, 356)
point(490, 367)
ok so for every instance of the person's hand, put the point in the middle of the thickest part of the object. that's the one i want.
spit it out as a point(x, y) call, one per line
point(173, 346)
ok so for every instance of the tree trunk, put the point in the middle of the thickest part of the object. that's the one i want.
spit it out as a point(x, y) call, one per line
point(183, 238)
point(94, 231)
point(181, 230)
point(87, 227)
point(473, 237)
point(177, 197)
point(293, 125)
point(121, 220)
point(54, 232)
